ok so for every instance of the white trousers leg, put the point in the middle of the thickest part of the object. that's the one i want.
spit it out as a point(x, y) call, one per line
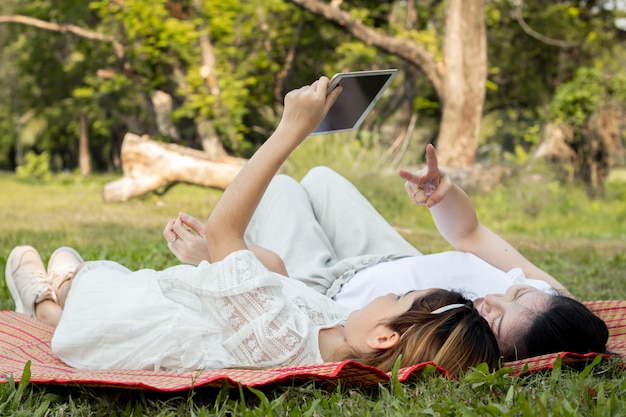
point(285, 223)
point(323, 229)
point(350, 222)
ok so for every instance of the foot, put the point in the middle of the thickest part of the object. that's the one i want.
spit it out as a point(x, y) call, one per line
point(62, 266)
point(26, 278)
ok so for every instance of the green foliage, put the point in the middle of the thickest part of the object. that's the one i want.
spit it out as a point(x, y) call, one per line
point(509, 134)
point(428, 37)
point(591, 95)
point(529, 71)
point(263, 49)
point(35, 166)
point(356, 55)
point(22, 400)
point(528, 76)
point(617, 88)
point(44, 69)
point(7, 138)
point(574, 102)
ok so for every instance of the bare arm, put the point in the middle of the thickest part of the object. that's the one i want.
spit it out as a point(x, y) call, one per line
point(455, 218)
point(304, 110)
point(188, 244)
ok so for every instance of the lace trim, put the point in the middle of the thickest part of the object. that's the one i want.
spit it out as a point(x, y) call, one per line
point(261, 327)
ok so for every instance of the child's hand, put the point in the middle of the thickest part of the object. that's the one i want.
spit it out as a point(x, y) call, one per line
point(306, 107)
point(429, 185)
point(184, 238)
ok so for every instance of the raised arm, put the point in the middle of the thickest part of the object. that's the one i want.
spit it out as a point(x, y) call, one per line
point(304, 110)
point(455, 218)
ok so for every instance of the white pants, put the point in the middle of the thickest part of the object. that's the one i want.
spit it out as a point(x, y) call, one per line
point(324, 229)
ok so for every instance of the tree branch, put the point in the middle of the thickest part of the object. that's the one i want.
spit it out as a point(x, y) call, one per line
point(412, 52)
point(65, 28)
point(519, 5)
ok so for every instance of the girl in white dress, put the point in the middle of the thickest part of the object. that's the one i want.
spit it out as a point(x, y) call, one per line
point(230, 309)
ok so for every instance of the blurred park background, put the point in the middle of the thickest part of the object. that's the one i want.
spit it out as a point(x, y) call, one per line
point(492, 84)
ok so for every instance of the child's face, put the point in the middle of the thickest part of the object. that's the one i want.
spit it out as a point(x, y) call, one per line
point(366, 324)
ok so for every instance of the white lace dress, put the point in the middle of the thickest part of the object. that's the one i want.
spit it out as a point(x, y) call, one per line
point(230, 313)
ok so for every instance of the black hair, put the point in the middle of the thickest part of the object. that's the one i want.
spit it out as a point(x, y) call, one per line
point(565, 326)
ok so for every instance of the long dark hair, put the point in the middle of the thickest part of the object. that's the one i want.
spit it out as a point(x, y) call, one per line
point(565, 326)
point(455, 340)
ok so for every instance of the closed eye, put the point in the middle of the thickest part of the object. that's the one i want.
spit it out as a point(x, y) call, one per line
point(522, 291)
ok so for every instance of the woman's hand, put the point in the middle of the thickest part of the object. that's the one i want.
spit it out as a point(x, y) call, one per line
point(306, 107)
point(184, 237)
point(429, 185)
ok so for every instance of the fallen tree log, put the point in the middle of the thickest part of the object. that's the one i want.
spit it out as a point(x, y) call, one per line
point(149, 165)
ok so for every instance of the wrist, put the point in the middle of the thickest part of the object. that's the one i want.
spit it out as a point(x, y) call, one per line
point(295, 128)
point(286, 139)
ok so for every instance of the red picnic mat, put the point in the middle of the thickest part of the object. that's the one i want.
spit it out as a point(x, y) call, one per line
point(24, 339)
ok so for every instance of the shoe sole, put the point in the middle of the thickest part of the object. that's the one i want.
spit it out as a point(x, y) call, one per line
point(8, 274)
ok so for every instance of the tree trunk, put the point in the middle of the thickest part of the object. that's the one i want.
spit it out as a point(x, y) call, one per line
point(163, 105)
point(84, 156)
point(209, 137)
point(464, 75)
point(149, 165)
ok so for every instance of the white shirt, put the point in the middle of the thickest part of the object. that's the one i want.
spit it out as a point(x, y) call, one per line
point(452, 270)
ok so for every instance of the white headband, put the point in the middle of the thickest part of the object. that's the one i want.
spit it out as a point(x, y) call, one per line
point(448, 308)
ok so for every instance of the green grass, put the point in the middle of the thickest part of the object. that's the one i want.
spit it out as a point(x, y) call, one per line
point(581, 242)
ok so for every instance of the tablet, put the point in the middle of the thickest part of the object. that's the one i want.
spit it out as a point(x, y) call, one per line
point(361, 91)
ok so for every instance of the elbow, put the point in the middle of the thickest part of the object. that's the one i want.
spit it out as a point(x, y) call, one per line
point(469, 239)
point(211, 235)
point(213, 229)
point(209, 228)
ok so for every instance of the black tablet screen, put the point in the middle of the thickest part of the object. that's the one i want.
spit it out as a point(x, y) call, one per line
point(357, 98)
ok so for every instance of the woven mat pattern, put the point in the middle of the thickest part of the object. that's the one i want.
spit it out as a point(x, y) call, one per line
point(24, 339)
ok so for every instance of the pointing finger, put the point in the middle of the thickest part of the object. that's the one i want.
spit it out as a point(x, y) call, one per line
point(431, 159)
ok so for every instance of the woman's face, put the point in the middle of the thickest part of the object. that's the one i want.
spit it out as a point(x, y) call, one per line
point(367, 323)
point(512, 311)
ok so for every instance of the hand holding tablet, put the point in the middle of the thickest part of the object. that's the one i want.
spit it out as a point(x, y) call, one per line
point(361, 91)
